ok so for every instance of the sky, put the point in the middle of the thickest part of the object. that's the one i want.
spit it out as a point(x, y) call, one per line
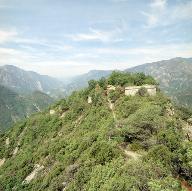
point(63, 38)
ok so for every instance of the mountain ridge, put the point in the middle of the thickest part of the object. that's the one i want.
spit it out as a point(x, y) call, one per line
point(75, 145)
point(172, 76)
point(26, 81)
point(15, 107)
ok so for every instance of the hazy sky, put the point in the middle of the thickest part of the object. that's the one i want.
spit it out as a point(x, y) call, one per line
point(68, 37)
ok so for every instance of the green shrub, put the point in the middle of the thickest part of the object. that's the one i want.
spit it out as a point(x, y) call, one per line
point(114, 95)
point(142, 91)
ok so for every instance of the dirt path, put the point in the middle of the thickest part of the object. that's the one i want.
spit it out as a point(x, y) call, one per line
point(111, 106)
point(129, 154)
point(79, 120)
point(2, 161)
point(132, 154)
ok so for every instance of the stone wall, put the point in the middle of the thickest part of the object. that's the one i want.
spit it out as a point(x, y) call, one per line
point(132, 90)
point(89, 99)
point(111, 87)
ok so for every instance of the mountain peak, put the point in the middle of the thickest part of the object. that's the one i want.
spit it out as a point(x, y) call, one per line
point(11, 67)
point(116, 142)
point(26, 81)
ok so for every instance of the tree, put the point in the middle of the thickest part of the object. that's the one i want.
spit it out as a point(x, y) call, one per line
point(102, 83)
point(92, 84)
point(142, 91)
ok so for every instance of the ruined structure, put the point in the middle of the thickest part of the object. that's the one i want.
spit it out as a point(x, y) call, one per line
point(7, 141)
point(2, 161)
point(111, 87)
point(52, 112)
point(132, 90)
point(89, 100)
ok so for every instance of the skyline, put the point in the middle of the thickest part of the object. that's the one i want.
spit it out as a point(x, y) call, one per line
point(66, 38)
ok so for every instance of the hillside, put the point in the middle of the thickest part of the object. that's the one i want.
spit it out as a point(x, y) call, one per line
point(81, 81)
point(174, 77)
point(14, 107)
point(26, 81)
point(113, 143)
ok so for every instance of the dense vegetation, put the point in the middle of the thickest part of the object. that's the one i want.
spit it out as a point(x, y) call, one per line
point(139, 144)
point(22, 81)
point(14, 107)
point(174, 77)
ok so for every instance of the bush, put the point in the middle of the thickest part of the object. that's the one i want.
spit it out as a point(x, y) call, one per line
point(171, 137)
point(142, 91)
point(160, 154)
point(165, 184)
point(123, 78)
point(135, 146)
point(114, 95)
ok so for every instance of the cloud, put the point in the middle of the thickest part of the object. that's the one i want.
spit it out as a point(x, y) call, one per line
point(97, 35)
point(183, 50)
point(119, 33)
point(7, 35)
point(160, 14)
point(13, 56)
point(158, 4)
point(84, 59)
point(12, 38)
point(157, 10)
point(152, 19)
point(182, 11)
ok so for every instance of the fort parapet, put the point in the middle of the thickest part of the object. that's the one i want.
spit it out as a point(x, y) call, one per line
point(132, 90)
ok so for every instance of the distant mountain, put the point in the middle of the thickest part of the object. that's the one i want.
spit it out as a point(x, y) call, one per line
point(110, 144)
point(174, 77)
point(14, 107)
point(81, 81)
point(26, 81)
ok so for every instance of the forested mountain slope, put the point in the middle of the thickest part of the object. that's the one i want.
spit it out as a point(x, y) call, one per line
point(174, 77)
point(115, 143)
point(26, 81)
point(81, 81)
point(14, 107)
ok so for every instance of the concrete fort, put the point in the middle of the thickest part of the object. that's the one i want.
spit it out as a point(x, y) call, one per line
point(132, 90)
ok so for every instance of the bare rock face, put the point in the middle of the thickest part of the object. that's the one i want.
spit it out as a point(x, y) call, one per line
point(111, 87)
point(15, 151)
point(89, 100)
point(60, 134)
point(170, 110)
point(33, 174)
point(7, 142)
point(2, 161)
point(52, 112)
point(111, 105)
point(63, 115)
point(189, 121)
point(188, 129)
point(64, 186)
